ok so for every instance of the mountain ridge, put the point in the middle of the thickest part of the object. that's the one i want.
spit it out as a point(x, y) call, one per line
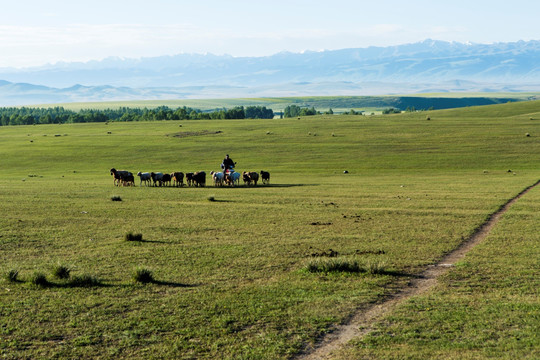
point(401, 68)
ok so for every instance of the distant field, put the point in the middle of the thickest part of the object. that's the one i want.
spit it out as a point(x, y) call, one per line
point(338, 104)
point(231, 275)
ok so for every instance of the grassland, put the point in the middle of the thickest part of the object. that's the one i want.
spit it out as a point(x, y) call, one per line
point(230, 276)
point(486, 307)
point(339, 104)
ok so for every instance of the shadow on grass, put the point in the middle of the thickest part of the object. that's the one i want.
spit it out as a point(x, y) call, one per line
point(173, 284)
point(220, 201)
point(99, 284)
point(397, 273)
point(149, 241)
point(74, 284)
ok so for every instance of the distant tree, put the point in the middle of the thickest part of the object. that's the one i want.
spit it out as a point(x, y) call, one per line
point(291, 111)
point(391, 111)
point(235, 113)
point(258, 112)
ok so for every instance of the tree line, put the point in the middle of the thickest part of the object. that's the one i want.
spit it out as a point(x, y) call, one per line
point(60, 115)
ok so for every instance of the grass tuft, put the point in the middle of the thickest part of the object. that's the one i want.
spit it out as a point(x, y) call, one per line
point(39, 279)
point(334, 265)
point(84, 281)
point(143, 275)
point(61, 271)
point(376, 267)
point(12, 275)
point(133, 237)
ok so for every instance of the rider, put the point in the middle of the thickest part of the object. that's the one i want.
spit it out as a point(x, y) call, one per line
point(227, 165)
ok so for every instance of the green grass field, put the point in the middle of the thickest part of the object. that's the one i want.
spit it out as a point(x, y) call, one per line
point(230, 275)
point(339, 104)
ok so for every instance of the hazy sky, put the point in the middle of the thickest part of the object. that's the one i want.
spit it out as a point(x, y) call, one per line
point(36, 32)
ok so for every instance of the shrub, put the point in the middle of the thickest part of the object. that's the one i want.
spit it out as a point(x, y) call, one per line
point(84, 281)
point(39, 279)
point(143, 275)
point(133, 237)
point(61, 271)
point(12, 275)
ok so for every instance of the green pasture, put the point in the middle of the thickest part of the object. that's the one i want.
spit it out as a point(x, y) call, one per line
point(487, 307)
point(230, 275)
point(339, 104)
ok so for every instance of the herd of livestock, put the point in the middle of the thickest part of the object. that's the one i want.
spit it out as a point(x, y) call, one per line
point(250, 178)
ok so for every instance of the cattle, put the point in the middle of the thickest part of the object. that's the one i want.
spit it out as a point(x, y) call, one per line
point(250, 177)
point(235, 177)
point(265, 177)
point(145, 177)
point(166, 179)
point(189, 178)
point(246, 178)
point(128, 180)
point(199, 178)
point(254, 177)
point(218, 178)
point(157, 178)
point(178, 178)
point(119, 176)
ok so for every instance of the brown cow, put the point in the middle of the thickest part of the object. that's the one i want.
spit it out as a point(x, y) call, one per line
point(178, 178)
point(265, 177)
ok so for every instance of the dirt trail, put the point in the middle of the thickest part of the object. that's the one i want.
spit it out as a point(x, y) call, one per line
point(362, 322)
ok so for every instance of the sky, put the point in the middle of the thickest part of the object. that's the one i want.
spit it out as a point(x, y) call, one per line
point(37, 32)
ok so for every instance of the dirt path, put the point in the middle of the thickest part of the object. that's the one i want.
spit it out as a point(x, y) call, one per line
point(362, 322)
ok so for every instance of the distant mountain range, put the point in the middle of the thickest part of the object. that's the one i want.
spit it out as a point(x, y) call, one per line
point(428, 66)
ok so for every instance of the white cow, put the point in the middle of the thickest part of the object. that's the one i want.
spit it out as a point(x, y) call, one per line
point(217, 177)
point(235, 177)
point(157, 177)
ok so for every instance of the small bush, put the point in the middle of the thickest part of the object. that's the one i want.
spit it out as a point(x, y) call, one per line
point(334, 265)
point(39, 279)
point(61, 271)
point(12, 275)
point(84, 281)
point(116, 198)
point(133, 237)
point(143, 275)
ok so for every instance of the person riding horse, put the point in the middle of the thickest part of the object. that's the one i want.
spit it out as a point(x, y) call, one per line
point(227, 165)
